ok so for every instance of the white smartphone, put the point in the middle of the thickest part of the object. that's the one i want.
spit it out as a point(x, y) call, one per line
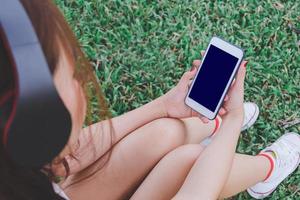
point(214, 77)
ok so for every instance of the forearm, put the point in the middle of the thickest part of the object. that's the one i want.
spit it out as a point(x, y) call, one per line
point(209, 173)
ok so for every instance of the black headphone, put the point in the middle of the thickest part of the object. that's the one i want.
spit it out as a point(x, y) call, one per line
point(39, 125)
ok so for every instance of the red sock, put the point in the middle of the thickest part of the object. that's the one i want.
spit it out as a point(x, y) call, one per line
point(218, 122)
point(269, 157)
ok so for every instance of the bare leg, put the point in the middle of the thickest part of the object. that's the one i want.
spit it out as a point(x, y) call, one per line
point(241, 164)
point(188, 131)
point(135, 156)
point(246, 171)
point(196, 130)
point(169, 174)
point(167, 177)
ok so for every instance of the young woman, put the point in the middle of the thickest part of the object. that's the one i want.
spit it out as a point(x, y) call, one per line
point(152, 152)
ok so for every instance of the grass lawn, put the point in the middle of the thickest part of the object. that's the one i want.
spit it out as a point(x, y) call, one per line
point(140, 49)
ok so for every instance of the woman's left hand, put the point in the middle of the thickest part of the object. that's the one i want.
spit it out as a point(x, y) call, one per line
point(174, 100)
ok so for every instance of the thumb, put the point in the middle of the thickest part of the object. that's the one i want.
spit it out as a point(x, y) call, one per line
point(187, 76)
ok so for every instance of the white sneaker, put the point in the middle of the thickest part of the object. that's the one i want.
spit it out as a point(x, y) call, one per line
point(251, 112)
point(286, 160)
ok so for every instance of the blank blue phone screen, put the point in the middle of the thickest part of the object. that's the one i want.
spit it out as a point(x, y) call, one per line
point(213, 77)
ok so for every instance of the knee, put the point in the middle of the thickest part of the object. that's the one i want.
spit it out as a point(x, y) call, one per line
point(168, 133)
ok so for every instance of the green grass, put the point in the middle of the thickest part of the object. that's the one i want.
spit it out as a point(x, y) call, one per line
point(140, 49)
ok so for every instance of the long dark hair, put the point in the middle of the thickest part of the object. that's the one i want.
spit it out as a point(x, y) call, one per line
point(17, 183)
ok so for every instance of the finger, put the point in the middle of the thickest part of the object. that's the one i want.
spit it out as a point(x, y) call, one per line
point(187, 76)
point(194, 113)
point(196, 63)
point(233, 81)
point(202, 53)
point(244, 63)
point(186, 79)
point(201, 117)
point(222, 111)
point(204, 119)
point(239, 82)
point(190, 83)
point(226, 98)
